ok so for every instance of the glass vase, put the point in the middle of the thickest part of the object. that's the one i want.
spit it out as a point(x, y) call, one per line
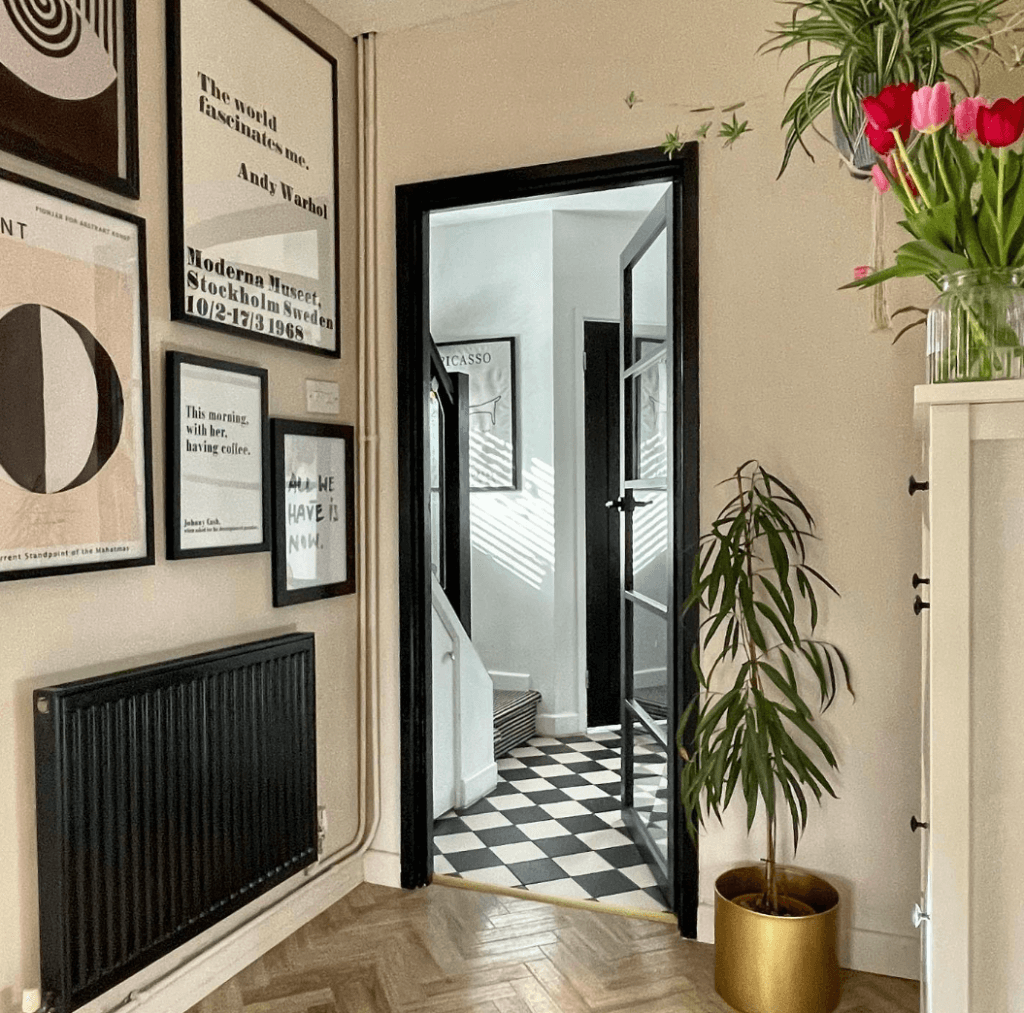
point(976, 326)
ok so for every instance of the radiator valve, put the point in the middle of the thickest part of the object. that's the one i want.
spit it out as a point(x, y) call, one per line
point(321, 828)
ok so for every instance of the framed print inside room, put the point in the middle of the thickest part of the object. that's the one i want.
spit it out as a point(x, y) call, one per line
point(75, 464)
point(253, 175)
point(314, 549)
point(68, 91)
point(218, 458)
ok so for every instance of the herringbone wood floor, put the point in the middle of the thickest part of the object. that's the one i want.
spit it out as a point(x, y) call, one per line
point(441, 950)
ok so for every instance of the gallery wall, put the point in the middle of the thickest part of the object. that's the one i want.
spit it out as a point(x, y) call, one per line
point(56, 629)
point(790, 370)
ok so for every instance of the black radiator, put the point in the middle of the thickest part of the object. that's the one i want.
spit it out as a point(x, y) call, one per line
point(168, 797)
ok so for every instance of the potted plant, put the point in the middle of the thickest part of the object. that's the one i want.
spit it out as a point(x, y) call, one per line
point(854, 48)
point(959, 176)
point(752, 729)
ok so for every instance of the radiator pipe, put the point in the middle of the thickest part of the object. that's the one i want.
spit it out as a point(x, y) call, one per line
point(369, 657)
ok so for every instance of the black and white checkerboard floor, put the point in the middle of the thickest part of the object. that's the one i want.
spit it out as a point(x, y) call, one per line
point(553, 825)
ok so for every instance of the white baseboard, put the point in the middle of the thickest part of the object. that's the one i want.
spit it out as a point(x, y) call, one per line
point(517, 682)
point(478, 785)
point(567, 723)
point(384, 868)
point(199, 975)
point(894, 955)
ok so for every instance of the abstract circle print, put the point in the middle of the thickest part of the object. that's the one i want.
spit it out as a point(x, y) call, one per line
point(60, 82)
point(61, 401)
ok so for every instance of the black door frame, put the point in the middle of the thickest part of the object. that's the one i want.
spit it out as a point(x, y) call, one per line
point(414, 202)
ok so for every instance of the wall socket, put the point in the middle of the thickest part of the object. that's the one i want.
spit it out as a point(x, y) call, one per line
point(323, 397)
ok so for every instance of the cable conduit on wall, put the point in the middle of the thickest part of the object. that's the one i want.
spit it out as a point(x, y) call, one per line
point(368, 557)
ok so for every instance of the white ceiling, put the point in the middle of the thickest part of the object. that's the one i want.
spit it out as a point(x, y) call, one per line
point(358, 16)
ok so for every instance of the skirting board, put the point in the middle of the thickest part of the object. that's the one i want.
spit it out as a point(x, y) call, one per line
point(888, 953)
point(221, 961)
point(383, 868)
point(568, 723)
point(479, 784)
point(514, 682)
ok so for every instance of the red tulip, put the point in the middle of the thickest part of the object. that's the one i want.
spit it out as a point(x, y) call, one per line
point(891, 109)
point(883, 141)
point(1002, 123)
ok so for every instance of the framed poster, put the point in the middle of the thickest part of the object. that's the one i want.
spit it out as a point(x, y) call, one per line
point(494, 464)
point(253, 175)
point(68, 92)
point(218, 458)
point(314, 511)
point(75, 465)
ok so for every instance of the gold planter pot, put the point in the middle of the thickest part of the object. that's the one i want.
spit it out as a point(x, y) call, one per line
point(770, 964)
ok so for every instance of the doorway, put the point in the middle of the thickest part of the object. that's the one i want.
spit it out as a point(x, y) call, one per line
point(414, 205)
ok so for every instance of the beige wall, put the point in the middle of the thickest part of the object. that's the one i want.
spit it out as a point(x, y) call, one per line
point(60, 628)
point(790, 372)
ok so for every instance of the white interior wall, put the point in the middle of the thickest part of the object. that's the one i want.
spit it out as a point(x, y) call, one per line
point(493, 278)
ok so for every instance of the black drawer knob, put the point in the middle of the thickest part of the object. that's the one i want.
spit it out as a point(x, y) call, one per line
point(916, 825)
point(918, 605)
point(918, 581)
point(915, 486)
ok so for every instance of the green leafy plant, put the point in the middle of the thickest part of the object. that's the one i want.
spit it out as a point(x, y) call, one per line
point(856, 47)
point(753, 728)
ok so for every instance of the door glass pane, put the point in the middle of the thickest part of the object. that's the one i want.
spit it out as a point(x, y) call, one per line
point(650, 786)
point(650, 287)
point(650, 403)
point(650, 545)
point(650, 655)
point(436, 554)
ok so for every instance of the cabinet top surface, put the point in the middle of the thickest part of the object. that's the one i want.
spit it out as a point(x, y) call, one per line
point(977, 392)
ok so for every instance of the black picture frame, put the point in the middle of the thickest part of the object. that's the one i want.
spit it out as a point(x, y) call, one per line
point(261, 312)
point(67, 131)
point(479, 347)
point(118, 466)
point(177, 535)
point(293, 536)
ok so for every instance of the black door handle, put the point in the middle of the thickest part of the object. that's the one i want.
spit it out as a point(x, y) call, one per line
point(918, 605)
point(915, 486)
point(626, 502)
point(917, 581)
point(915, 825)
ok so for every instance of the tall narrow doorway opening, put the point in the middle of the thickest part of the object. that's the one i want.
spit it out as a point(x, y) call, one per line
point(657, 488)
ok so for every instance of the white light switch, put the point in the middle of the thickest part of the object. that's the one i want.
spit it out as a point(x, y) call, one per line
point(323, 397)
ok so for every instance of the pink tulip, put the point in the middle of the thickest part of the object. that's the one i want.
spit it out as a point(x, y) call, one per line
point(860, 273)
point(880, 178)
point(930, 108)
point(965, 116)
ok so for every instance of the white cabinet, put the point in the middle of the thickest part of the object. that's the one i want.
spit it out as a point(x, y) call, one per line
point(973, 697)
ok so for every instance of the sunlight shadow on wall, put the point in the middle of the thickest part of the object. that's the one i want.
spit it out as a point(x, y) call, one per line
point(517, 529)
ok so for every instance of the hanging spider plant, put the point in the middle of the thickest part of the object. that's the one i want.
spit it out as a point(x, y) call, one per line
point(754, 731)
point(868, 44)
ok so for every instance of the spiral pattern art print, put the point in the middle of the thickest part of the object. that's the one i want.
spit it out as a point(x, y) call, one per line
point(50, 26)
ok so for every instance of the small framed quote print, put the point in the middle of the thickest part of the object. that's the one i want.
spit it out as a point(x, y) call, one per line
point(76, 489)
point(493, 409)
point(314, 511)
point(253, 175)
point(218, 458)
point(68, 92)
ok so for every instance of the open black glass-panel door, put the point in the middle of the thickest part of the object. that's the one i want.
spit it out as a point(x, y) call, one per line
point(653, 530)
point(450, 553)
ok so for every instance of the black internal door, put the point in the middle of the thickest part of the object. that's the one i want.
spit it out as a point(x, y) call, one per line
point(450, 551)
point(601, 423)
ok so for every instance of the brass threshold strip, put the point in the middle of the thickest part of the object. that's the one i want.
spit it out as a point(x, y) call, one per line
point(440, 879)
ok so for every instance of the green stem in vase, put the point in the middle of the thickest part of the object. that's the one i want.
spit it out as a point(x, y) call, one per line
point(940, 162)
point(910, 168)
point(999, 206)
